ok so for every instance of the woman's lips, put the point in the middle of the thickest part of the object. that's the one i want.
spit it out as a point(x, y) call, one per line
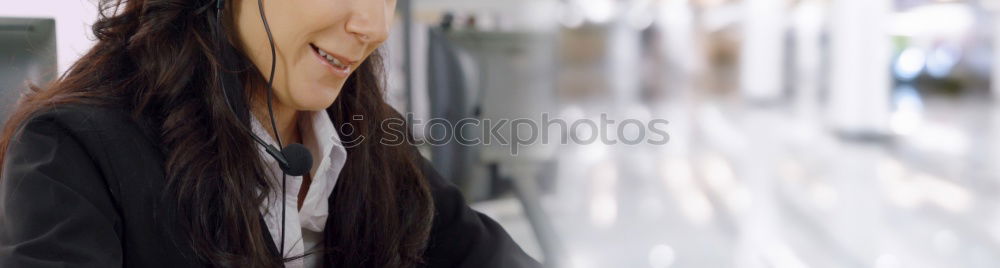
point(334, 64)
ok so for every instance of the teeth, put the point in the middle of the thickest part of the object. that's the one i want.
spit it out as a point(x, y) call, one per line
point(331, 59)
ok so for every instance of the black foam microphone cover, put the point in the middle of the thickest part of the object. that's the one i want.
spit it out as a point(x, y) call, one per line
point(299, 159)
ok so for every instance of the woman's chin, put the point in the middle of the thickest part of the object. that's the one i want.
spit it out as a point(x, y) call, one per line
point(320, 99)
point(313, 105)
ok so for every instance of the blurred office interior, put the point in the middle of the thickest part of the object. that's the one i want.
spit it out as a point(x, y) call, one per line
point(802, 133)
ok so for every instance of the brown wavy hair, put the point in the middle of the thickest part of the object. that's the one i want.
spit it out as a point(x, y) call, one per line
point(159, 60)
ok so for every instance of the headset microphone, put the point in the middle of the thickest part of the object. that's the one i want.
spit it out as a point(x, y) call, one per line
point(298, 160)
point(294, 160)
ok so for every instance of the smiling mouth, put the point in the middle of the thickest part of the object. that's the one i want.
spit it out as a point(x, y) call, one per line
point(336, 63)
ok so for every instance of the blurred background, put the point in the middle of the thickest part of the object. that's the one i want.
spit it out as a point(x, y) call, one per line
point(803, 133)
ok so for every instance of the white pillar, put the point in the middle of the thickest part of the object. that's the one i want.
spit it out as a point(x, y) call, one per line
point(680, 49)
point(808, 22)
point(623, 58)
point(685, 63)
point(762, 53)
point(860, 55)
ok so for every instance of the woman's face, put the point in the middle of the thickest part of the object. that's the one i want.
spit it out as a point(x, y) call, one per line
point(318, 44)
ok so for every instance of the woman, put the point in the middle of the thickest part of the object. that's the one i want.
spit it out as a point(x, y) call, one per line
point(148, 151)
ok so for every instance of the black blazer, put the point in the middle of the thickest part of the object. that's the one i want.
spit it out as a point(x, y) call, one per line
point(80, 185)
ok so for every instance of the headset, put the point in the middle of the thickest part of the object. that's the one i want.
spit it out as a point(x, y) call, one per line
point(294, 159)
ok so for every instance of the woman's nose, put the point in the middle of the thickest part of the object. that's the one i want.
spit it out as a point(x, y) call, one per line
point(368, 21)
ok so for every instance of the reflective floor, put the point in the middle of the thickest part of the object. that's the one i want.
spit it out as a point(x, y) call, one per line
point(770, 186)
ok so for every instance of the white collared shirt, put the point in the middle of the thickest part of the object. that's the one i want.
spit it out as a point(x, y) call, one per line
point(303, 228)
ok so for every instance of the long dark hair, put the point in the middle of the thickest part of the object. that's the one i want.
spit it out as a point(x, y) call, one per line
point(158, 60)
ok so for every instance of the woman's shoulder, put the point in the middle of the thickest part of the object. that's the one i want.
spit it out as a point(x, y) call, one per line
point(108, 134)
point(83, 145)
point(56, 203)
point(79, 181)
point(81, 117)
point(90, 122)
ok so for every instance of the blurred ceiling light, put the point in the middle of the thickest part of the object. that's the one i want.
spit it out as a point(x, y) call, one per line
point(941, 60)
point(914, 190)
point(679, 179)
point(661, 256)
point(939, 139)
point(675, 14)
point(603, 211)
point(944, 194)
point(902, 194)
point(892, 176)
point(570, 15)
point(934, 19)
point(598, 11)
point(909, 64)
point(717, 171)
point(696, 207)
point(720, 177)
point(808, 16)
point(640, 15)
